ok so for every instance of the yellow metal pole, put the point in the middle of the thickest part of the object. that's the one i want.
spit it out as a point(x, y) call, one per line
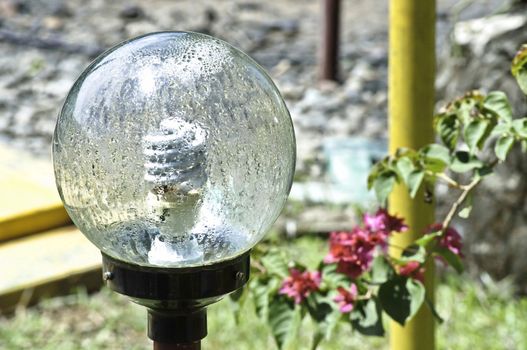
point(411, 105)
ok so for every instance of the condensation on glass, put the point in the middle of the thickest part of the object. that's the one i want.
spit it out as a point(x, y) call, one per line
point(174, 149)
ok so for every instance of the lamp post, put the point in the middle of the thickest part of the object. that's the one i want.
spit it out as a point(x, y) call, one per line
point(174, 154)
point(411, 107)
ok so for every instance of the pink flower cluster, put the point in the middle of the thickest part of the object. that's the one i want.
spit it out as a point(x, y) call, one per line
point(384, 222)
point(347, 298)
point(450, 239)
point(352, 251)
point(413, 269)
point(298, 285)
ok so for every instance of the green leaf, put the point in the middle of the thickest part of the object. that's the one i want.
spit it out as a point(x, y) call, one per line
point(366, 317)
point(501, 128)
point(376, 169)
point(498, 103)
point(381, 270)
point(519, 68)
point(452, 259)
point(413, 252)
point(262, 291)
point(520, 60)
point(320, 310)
point(520, 126)
point(326, 328)
point(464, 161)
point(318, 307)
point(475, 133)
point(435, 157)
point(465, 212)
point(261, 299)
point(284, 320)
point(426, 239)
point(484, 171)
point(318, 336)
point(468, 107)
point(401, 298)
point(275, 263)
point(433, 310)
point(405, 166)
point(331, 279)
point(521, 78)
point(414, 181)
point(447, 127)
point(383, 185)
point(405, 152)
point(238, 301)
point(503, 146)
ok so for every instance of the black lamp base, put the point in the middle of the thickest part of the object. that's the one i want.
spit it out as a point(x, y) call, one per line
point(176, 298)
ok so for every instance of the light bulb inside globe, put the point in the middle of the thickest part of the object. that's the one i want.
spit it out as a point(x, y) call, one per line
point(174, 170)
point(174, 149)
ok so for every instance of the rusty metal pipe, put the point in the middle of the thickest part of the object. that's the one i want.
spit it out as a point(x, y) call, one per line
point(329, 49)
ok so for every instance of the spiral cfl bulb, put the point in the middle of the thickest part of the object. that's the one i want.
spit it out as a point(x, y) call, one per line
point(174, 170)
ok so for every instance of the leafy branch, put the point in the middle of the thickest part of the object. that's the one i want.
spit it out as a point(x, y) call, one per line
point(457, 204)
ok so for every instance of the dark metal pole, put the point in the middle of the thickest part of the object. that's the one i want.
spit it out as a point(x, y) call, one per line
point(328, 64)
point(187, 346)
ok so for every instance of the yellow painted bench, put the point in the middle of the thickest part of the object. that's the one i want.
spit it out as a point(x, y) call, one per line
point(29, 201)
point(44, 265)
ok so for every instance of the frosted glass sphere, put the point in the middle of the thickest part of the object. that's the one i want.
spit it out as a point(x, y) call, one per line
point(174, 149)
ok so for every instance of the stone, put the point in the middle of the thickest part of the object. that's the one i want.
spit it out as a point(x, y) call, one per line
point(291, 91)
point(288, 26)
point(355, 115)
point(478, 33)
point(132, 12)
point(53, 23)
point(61, 9)
point(134, 29)
point(374, 127)
point(22, 121)
point(59, 87)
point(482, 62)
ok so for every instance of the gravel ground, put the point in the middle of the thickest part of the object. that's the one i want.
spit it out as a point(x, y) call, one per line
point(46, 44)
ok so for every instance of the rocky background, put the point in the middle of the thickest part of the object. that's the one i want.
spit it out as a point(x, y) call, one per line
point(45, 45)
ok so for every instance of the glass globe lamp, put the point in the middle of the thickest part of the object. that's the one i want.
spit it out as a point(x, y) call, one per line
point(174, 153)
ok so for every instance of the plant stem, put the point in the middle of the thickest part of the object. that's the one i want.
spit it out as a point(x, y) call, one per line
point(451, 182)
point(455, 207)
point(258, 266)
point(466, 191)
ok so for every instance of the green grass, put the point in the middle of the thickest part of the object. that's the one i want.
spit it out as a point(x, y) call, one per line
point(477, 316)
